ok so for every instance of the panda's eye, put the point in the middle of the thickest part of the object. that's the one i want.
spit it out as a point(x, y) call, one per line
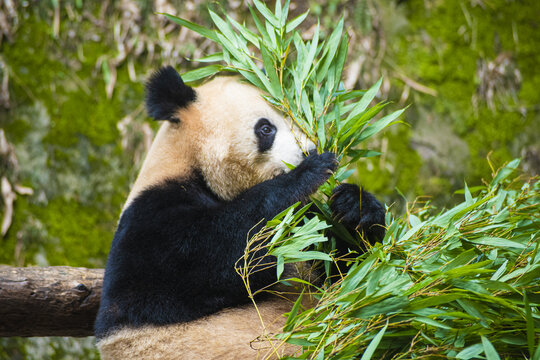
point(267, 129)
point(266, 133)
point(264, 128)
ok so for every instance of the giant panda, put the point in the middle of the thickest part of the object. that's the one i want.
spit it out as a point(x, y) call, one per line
point(215, 172)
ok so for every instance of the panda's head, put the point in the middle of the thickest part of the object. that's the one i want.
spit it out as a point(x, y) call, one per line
point(223, 129)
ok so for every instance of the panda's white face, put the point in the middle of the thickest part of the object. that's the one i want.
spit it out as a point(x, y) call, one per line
point(230, 134)
point(242, 140)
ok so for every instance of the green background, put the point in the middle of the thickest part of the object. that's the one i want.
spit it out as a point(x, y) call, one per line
point(71, 110)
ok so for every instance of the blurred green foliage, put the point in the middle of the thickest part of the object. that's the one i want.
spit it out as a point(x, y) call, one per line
point(66, 141)
point(72, 75)
point(480, 58)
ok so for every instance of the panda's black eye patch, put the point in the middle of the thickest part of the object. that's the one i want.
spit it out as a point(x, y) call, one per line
point(266, 133)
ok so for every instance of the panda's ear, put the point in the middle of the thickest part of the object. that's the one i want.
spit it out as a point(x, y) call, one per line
point(166, 93)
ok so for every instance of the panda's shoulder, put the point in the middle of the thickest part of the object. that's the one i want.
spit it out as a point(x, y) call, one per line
point(187, 191)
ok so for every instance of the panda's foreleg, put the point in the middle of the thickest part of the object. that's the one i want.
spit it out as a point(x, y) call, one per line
point(194, 245)
point(234, 222)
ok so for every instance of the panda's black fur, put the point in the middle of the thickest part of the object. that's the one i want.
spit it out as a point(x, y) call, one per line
point(173, 255)
point(166, 93)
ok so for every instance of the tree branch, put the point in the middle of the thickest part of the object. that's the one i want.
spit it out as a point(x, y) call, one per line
point(49, 301)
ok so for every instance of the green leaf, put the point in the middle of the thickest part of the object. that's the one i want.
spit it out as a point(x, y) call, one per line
point(433, 301)
point(233, 49)
point(212, 58)
point(503, 173)
point(530, 323)
point(329, 52)
point(307, 63)
point(321, 134)
point(468, 197)
point(470, 352)
point(383, 307)
point(378, 125)
point(370, 350)
point(464, 258)
point(499, 271)
point(341, 56)
point(227, 31)
point(293, 313)
point(205, 32)
point(200, 73)
point(277, 11)
point(357, 273)
point(267, 14)
point(245, 32)
point(365, 100)
point(349, 95)
point(432, 322)
point(260, 27)
point(296, 21)
point(284, 13)
point(489, 350)
point(357, 154)
point(272, 35)
point(497, 242)
point(280, 266)
point(270, 68)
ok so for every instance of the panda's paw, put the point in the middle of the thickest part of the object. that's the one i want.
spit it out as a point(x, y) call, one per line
point(316, 169)
point(345, 204)
point(358, 210)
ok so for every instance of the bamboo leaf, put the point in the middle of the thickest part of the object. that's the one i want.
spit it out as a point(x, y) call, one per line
point(201, 73)
point(329, 52)
point(293, 313)
point(370, 350)
point(470, 352)
point(310, 56)
point(207, 33)
point(530, 323)
point(266, 13)
point(293, 24)
point(497, 242)
point(212, 58)
point(378, 125)
point(270, 68)
point(366, 98)
point(260, 27)
point(489, 350)
point(244, 31)
point(503, 173)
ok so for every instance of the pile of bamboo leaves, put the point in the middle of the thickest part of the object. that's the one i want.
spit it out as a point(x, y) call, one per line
point(462, 283)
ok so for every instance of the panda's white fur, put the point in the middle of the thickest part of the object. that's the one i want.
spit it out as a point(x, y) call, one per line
point(231, 334)
point(215, 135)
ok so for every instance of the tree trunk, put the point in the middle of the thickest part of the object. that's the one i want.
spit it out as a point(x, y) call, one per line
point(49, 301)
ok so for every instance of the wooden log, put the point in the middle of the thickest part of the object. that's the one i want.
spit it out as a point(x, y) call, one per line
point(49, 301)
